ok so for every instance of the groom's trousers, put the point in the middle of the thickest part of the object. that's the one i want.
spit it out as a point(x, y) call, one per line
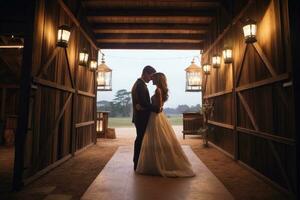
point(140, 131)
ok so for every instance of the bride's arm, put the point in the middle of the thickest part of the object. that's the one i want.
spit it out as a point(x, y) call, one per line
point(159, 96)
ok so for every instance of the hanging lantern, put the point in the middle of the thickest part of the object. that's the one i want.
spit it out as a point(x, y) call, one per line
point(93, 64)
point(104, 77)
point(216, 61)
point(227, 55)
point(206, 68)
point(83, 57)
point(249, 30)
point(193, 78)
point(63, 36)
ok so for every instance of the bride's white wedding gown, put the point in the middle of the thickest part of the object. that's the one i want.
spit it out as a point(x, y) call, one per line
point(161, 153)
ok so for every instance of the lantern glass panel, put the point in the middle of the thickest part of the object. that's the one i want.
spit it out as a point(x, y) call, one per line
point(227, 55)
point(216, 61)
point(93, 65)
point(206, 68)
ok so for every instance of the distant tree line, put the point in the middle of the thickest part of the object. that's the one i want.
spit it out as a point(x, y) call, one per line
point(121, 106)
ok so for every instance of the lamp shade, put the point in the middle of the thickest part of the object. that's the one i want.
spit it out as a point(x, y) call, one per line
point(93, 64)
point(193, 78)
point(206, 68)
point(249, 30)
point(83, 57)
point(216, 61)
point(63, 36)
point(104, 77)
point(227, 55)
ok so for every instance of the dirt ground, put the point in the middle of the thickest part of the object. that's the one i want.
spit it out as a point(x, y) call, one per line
point(71, 179)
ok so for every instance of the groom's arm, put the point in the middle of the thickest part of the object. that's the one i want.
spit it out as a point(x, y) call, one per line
point(143, 99)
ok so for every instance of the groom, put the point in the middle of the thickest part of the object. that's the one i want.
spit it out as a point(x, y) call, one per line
point(140, 95)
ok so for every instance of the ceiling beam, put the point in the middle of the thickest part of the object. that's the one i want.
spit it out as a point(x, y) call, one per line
point(147, 26)
point(150, 12)
point(178, 46)
point(150, 36)
point(162, 41)
point(150, 19)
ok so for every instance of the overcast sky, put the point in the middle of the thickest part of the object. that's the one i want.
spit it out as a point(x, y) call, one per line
point(127, 66)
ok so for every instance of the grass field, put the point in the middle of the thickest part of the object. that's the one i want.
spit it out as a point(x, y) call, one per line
point(115, 122)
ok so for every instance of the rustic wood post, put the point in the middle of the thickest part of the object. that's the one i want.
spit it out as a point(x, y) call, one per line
point(95, 107)
point(294, 10)
point(234, 113)
point(25, 85)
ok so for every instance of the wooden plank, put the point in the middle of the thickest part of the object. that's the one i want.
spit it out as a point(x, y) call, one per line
point(53, 85)
point(268, 136)
point(10, 86)
point(218, 94)
point(3, 102)
point(121, 35)
point(87, 94)
point(69, 68)
point(223, 125)
point(239, 72)
point(47, 64)
point(264, 82)
point(248, 111)
point(265, 59)
point(95, 107)
point(62, 111)
point(82, 124)
point(234, 21)
point(75, 21)
point(185, 13)
point(178, 46)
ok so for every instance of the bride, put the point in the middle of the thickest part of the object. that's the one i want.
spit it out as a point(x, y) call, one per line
point(161, 153)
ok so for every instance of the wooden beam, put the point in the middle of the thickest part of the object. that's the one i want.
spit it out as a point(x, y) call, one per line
point(87, 94)
point(218, 94)
point(248, 111)
point(239, 72)
point(220, 124)
point(58, 118)
point(69, 68)
point(53, 85)
point(265, 59)
point(25, 89)
point(77, 23)
point(82, 124)
point(43, 69)
point(10, 86)
point(264, 82)
point(189, 46)
point(98, 27)
point(141, 41)
point(234, 21)
point(137, 12)
point(150, 36)
point(267, 136)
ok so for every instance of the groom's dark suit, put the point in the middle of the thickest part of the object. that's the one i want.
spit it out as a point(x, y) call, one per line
point(140, 95)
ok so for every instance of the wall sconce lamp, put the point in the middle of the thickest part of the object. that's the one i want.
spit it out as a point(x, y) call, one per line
point(63, 36)
point(216, 61)
point(83, 57)
point(93, 64)
point(249, 30)
point(206, 68)
point(227, 55)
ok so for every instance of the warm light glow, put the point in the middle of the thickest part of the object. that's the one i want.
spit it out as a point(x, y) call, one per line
point(83, 57)
point(250, 31)
point(227, 55)
point(206, 69)
point(101, 80)
point(216, 61)
point(11, 46)
point(93, 64)
point(63, 36)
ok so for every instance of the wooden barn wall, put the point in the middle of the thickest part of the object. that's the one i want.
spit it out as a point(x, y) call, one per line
point(62, 106)
point(253, 118)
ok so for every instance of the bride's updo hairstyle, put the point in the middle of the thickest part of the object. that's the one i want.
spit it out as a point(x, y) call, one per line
point(161, 82)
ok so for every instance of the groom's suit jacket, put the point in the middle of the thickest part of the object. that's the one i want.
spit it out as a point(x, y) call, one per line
point(140, 95)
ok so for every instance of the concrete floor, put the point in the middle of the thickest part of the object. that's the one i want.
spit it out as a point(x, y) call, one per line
point(118, 181)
